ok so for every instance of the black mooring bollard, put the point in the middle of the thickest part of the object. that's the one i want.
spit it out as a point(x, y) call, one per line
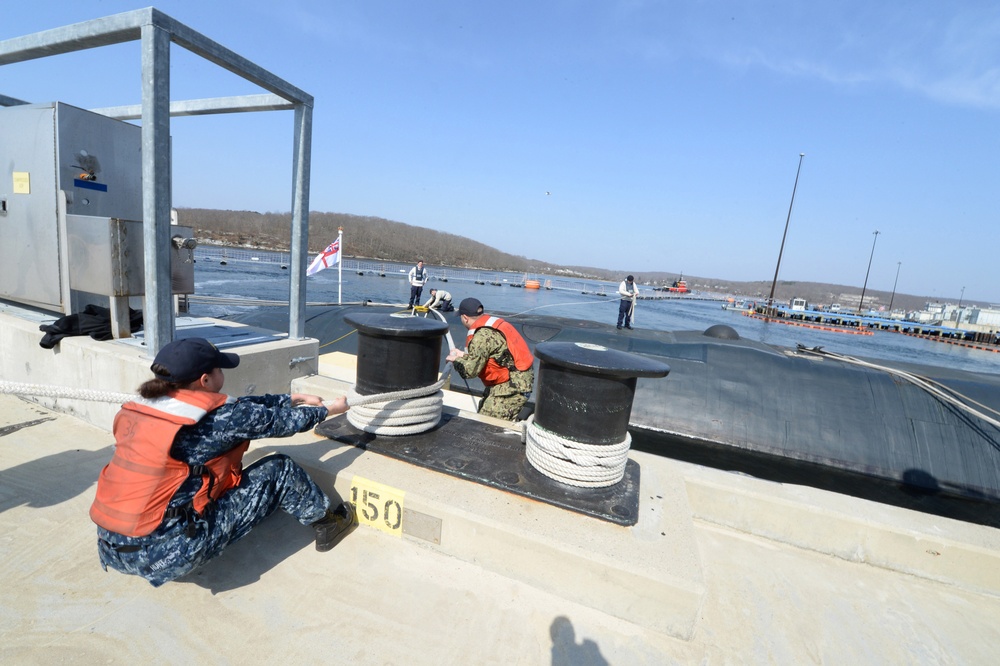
point(585, 391)
point(396, 353)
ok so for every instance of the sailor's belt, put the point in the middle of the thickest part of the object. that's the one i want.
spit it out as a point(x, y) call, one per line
point(123, 548)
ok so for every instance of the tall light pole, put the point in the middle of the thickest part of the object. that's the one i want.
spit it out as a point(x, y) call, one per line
point(895, 282)
point(864, 288)
point(774, 283)
point(961, 297)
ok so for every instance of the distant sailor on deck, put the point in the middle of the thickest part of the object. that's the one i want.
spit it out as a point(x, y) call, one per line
point(439, 300)
point(418, 276)
point(628, 291)
point(175, 493)
point(499, 356)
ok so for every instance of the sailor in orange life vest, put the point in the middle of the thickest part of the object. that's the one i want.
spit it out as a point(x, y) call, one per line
point(175, 494)
point(499, 356)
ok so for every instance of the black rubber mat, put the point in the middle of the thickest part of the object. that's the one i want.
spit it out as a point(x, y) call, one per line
point(494, 457)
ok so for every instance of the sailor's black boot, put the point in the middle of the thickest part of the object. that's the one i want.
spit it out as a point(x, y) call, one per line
point(334, 526)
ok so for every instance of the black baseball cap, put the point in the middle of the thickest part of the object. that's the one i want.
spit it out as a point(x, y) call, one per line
point(187, 359)
point(470, 307)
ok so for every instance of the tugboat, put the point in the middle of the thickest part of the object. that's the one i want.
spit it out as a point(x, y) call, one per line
point(679, 286)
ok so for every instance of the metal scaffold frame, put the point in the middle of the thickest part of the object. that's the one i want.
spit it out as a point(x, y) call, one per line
point(157, 32)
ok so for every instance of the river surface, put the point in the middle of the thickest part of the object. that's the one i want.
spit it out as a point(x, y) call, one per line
point(265, 279)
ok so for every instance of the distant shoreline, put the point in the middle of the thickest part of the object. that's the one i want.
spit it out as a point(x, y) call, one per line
point(812, 292)
point(377, 239)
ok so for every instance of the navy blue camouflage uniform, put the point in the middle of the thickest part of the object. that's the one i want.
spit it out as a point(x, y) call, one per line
point(183, 542)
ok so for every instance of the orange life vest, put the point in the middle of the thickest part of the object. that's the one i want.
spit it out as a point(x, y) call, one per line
point(135, 488)
point(493, 373)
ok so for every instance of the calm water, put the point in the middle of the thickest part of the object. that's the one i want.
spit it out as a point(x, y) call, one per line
point(268, 281)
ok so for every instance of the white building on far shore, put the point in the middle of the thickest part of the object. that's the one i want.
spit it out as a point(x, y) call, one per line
point(972, 318)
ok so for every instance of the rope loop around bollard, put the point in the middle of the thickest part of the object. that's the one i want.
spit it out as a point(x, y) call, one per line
point(575, 463)
point(405, 412)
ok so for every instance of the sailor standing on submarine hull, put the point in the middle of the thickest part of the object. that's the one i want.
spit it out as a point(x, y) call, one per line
point(175, 494)
point(499, 356)
point(417, 277)
point(628, 291)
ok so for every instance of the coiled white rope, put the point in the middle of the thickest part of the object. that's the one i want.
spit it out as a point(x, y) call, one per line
point(45, 391)
point(575, 463)
point(405, 412)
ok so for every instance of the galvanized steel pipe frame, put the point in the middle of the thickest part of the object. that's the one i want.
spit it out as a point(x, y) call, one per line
point(157, 31)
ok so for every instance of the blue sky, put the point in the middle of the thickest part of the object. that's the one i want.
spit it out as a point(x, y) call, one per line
point(633, 135)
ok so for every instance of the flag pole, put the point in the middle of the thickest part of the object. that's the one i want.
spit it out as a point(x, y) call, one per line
point(340, 265)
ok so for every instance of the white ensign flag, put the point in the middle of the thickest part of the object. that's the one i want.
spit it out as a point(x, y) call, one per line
point(325, 259)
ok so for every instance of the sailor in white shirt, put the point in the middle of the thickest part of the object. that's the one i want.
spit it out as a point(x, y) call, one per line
point(418, 276)
point(440, 300)
point(628, 290)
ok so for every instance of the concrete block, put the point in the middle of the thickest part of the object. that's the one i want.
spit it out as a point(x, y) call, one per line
point(81, 363)
point(932, 547)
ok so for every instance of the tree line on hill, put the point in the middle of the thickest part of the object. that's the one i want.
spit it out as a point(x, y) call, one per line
point(376, 238)
point(364, 237)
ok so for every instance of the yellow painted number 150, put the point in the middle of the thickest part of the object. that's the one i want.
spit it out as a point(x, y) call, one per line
point(378, 505)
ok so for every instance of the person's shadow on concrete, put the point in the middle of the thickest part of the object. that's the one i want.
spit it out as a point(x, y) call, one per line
point(567, 652)
point(275, 539)
point(52, 479)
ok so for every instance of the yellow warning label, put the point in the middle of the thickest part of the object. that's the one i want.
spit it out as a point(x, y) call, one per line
point(378, 505)
point(22, 182)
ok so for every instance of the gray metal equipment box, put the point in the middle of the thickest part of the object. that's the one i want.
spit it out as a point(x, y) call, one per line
point(108, 256)
point(71, 209)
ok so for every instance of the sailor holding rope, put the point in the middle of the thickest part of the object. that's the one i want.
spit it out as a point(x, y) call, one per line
point(499, 356)
point(176, 494)
point(439, 300)
point(628, 290)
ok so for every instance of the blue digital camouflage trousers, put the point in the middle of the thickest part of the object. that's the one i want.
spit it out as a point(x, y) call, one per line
point(270, 483)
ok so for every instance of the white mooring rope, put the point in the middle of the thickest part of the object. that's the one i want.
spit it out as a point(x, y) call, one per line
point(45, 391)
point(405, 412)
point(575, 463)
point(399, 413)
point(938, 390)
